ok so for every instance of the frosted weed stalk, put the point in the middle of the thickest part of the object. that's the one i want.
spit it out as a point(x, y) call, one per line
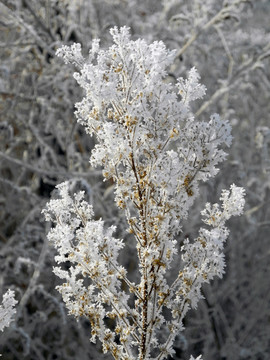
point(156, 153)
point(7, 309)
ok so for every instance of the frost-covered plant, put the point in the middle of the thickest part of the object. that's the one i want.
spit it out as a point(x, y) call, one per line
point(157, 153)
point(7, 309)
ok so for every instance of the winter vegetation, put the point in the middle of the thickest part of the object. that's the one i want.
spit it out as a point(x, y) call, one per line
point(7, 309)
point(157, 141)
point(139, 121)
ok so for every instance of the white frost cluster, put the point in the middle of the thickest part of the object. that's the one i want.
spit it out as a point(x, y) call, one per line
point(7, 309)
point(156, 153)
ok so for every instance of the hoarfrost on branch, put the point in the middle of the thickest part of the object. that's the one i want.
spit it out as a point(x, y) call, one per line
point(156, 153)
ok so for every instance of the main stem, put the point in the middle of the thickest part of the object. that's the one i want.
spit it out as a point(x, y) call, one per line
point(144, 315)
point(145, 282)
point(142, 210)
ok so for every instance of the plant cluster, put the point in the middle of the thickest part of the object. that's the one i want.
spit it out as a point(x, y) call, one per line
point(7, 309)
point(156, 153)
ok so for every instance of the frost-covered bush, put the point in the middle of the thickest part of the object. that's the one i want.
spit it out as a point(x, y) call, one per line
point(156, 153)
point(7, 309)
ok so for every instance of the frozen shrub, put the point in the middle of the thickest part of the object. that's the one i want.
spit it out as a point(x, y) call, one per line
point(7, 309)
point(156, 153)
